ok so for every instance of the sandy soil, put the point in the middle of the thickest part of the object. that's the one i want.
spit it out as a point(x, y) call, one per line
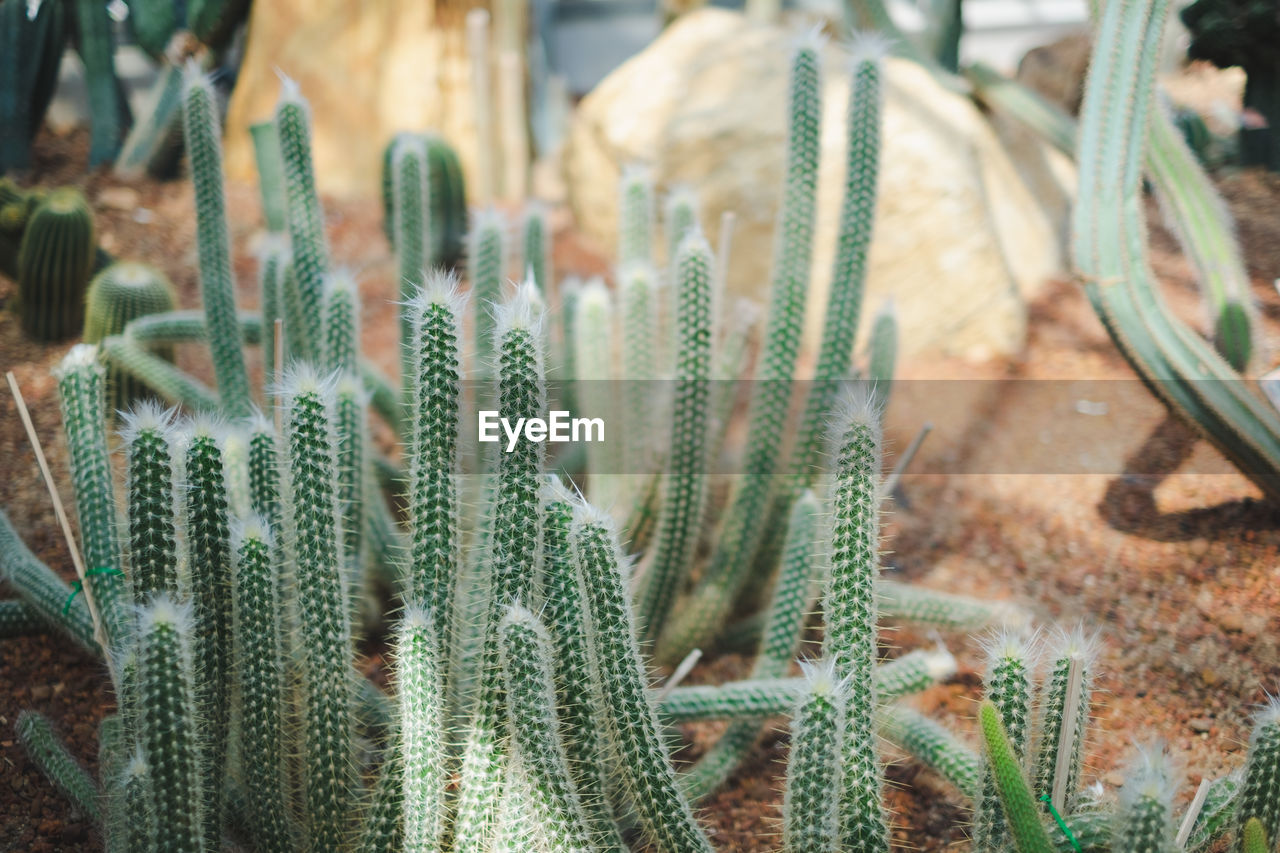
point(1183, 584)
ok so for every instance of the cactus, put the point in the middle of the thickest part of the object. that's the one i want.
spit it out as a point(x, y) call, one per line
point(43, 592)
point(31, 47)
point(1067, 647)
point(635, 217)
point(1007, 683)
point(486, 261)
point(811, 819)
point(933, 746)
point(383, 830)
point(19, 619)
point(153, 145)
point(630, 719)
point(48, 752)
point(704, 614)
point(1144, 821)
point(118, 295)
point(266, 155)
point(882, 353)
point(324, 629)
point(138, 822)
point(341, 324)
point(273, 262)
point(169, 726)
point(148, 437)
point(1258, 798)
point(536, 241)
point(1253, 839)
point(1019, 807)
point(513, 557)
point(638, 296)
point(412, 227)
point(54, 263)
point(448, 198)
point(434, 401)
point(680, 213)
point(593, 360)
point(305, 218)
point(535, 732)
point(1217, 813)
point(214, 22)
point(423, 750)
point(945, 610)
point(108, 107)
point(685, 485)
point(261, 676)
point(80, 390)
point(850, 608)
point(208, 540)
point(351, 428)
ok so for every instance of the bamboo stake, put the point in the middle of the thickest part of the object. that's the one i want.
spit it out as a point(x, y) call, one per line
point(1193, 812)
point(1067, 734)
point(686, 666)
point(891, 482)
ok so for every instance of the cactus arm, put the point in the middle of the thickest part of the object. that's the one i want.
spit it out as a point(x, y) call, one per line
point(810, 814)
point(266, 156)
point(43, 592)
point(423, 749)
point(933, 746)
point(168, 382)
point(1024, 104)
point(630, 718)
point(174, 327)
point(341, 324)
point(1022, 816)
point(50, 754)
point(169, 726)
point(911, 603)
point(351, 431)
point(261, 674)
point(324, 627)
point(685, 484)
point(203, 138)
point(19, 619)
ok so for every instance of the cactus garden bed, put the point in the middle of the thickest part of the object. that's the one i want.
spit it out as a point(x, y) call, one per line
point(1185, 589)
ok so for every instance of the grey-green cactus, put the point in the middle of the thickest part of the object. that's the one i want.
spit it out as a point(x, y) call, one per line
point(118, 295)
point(423, 748)
point(1144, 822)
point(50, 754)
point(1258, 790)
point(811, 815)
point(933, 745)
point(152, 505)
point(1018, 807)
point(54, 263)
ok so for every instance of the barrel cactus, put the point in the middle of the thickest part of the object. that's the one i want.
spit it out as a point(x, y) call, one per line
point(54, 263)
point(118, 294)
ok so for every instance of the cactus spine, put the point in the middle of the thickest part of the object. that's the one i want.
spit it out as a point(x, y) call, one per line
point(423, 751)
point(54, 263)
point(208, 538)
point(705, 612)
point(118, 295)
point(851, 621)
point(535, 732)
point(512, 558)
point(630, 718)
point(324, 629)
point(203, 138)
point(50, 754)
point(1021, 817)
point(304, 214)
point(261, 676)
point(152, 501)
point(1260, 790)
point(80, 389)
point(169, 726)
point(1007, 685)
point(811, 817)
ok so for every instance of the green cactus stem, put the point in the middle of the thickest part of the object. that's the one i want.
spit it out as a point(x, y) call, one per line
point(486, 263)
point(47, 751)
point(55, 260)
point(635, 217)
point(118, 295)
point(203, 136)
point(152, 504)
point(412, 226)
point(266, 155)
point(383, 830)
point(1253, 839)
point(19, 619)
point(535, 238)
point(1144, 822)
point(1067, 647)
point(422, 726)
point(1020, 813)
point(273, 260)
point(810, 814)
point(933, 746)
point(1258, 791)
point(351, 428)
point(43, 592)
point(1007, 685)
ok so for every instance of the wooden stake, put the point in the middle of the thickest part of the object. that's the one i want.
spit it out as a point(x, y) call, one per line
point(1193, 812)
point(686, 666)
point(98, 633)
point(1067, 734)
point(891, 482)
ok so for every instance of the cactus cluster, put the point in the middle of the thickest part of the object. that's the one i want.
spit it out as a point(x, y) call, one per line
point(229, 593)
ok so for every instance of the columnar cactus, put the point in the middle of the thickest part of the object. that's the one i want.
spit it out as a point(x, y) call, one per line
point(203, 137)
point(685, 484)
point(306, 218)
point(169, 726)
point(119, 294)
point(705, 612)
point(850, 608)
point(50, 754)
point(80, 390)
point(262, 677)
point(536, 240)
point(630, 718)
point(486, 264)
point(423, 751)
point(593, 363)
point(54, 263)
point(273, 261)
point(139, 822)
point(351, 431)
point(1145, 821)
point(1260, 791)
point(638, 311)
point(341, 325)
point(635, 216)
point(448, 212)
point(680, 213)
point(811, 815)
point(42, 591)
point(1020, 817)
point(513, 557)
point(1008, 686)
point(324, 629)
point(383, 830)
point(933, 745)
point(411, 226)
point(152, 482)
point(579, 696)
point(434, 402)
point(535, 732)
point(1066, 647)
point(208, 541)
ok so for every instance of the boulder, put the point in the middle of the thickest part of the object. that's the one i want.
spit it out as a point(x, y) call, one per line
point(961, 240)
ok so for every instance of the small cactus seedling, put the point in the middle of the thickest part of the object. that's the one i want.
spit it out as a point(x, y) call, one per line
point(54, 263)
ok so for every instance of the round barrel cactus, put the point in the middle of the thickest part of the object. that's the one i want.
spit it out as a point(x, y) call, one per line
point(54, 262)
point(122, 292)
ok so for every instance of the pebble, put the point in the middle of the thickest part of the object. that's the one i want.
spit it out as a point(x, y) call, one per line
point(1202, 725)
point(41, 691)
point(1114, 779)
point(119, 198)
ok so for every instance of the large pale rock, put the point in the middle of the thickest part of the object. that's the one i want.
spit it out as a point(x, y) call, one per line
point(368, 71)
point(960, 240)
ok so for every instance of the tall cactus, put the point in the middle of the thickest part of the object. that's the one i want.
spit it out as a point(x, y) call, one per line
point(341, 324)
point(535, 239)
point(811, 815)
point(324, 629)
point(148, 436)
point(351, 433)
point(422, 726)
point(1018, 808)
point(273, 263)
point(635, 216)
point(1008, 686)
point(203, 136)
point(1067, 647)
point(411, 226)
point(851, 622)
point(594, 391)
point(55, 259)
point(486, 262)
point(630, 718)
point(169, 726)
point(704, 613)
point(638, 296)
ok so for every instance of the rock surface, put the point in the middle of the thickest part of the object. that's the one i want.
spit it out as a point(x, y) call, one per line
point(961, 240)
